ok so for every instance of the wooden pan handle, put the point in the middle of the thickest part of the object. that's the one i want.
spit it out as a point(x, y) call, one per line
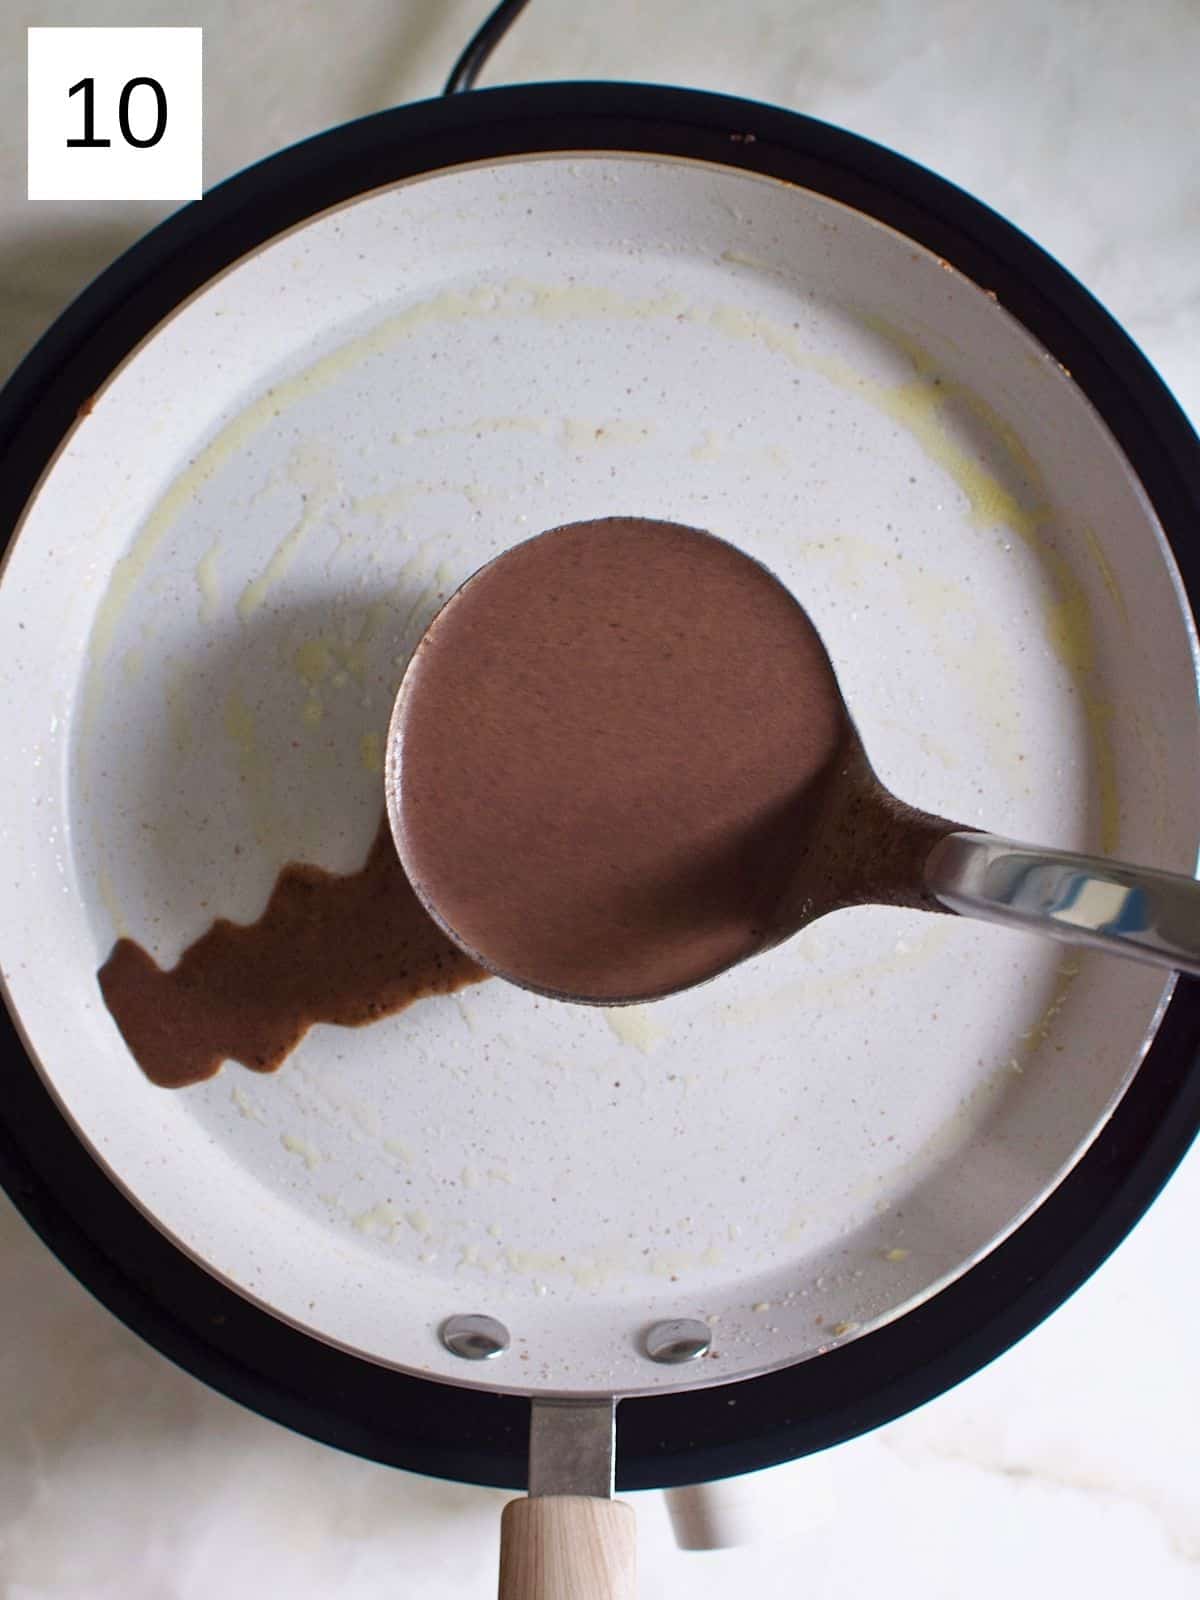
point(567, 1547)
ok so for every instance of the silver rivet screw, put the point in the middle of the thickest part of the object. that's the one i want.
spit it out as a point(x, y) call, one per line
point(685, 1339)
point(474, 1337)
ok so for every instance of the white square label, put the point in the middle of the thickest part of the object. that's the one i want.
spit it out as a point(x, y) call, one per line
point(115, 114)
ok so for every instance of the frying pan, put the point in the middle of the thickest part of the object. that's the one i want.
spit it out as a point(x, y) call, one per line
point(242, 472)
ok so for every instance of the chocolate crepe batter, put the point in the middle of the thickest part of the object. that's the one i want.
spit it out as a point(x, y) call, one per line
point(328, 948)
point(624, 764)
point(620, 763)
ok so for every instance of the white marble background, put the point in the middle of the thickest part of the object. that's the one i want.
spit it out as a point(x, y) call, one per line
point(1073, 1463)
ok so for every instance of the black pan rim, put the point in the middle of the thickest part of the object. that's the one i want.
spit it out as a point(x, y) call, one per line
point(470, 1435)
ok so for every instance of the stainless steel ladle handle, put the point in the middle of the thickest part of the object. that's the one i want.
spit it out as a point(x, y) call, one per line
point(1138, 912)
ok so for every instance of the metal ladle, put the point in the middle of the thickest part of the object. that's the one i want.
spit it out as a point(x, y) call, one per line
point(1137, 912)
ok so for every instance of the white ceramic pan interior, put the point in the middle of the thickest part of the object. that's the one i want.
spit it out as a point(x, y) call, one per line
point(206, 615)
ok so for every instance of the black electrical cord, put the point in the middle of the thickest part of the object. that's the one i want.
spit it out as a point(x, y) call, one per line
point(485, 39)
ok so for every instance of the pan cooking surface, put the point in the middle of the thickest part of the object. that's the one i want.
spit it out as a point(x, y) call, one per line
point(220, 581)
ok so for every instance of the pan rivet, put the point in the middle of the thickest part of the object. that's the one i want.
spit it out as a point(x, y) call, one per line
point(474, 1337)
point(682, 1340)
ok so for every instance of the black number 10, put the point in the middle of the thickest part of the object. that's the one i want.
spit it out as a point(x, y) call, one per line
point(90, 141)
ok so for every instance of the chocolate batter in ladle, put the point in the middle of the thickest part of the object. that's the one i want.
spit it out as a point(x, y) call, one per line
point(620, 764)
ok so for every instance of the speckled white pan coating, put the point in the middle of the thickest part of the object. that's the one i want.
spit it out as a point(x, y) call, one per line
point(219, 581)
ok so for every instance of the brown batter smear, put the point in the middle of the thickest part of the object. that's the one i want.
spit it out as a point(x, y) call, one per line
point(328, 948)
